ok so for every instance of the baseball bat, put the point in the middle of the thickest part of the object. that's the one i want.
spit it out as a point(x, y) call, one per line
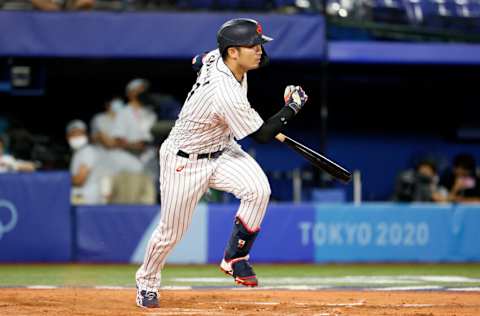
point(317, 159)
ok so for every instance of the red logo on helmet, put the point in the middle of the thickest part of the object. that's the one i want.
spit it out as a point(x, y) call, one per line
point(259, 29)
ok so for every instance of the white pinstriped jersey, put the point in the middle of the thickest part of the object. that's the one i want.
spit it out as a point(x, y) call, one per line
point(216, 110)
point(215, 113)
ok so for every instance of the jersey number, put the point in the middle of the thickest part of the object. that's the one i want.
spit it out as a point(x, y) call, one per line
point(195, 87)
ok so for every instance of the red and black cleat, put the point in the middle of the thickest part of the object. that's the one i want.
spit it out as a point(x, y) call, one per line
point(241, 271)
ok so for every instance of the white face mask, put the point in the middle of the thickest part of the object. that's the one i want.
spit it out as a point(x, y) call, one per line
point(77, 142)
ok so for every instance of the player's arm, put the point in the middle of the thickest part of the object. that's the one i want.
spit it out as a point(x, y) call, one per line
point(295, 99)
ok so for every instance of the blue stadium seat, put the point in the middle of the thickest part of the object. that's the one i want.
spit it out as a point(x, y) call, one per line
point(388, 11)
point(473, 8)
point(468, 8)
point(414, 11)
point(458, 15)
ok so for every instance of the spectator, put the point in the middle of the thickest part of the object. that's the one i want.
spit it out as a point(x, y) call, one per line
point(102, 123)
point(462, 182)
point(132, 128)
point(9, 164)
point(419, 184)
point(102, 128)
point(88, 166)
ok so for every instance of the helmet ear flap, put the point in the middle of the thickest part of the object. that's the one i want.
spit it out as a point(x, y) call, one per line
point(264, 60)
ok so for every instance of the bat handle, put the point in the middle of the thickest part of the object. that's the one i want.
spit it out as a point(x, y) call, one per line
point(280, 137)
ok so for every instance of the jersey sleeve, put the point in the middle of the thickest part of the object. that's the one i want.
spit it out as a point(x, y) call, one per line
point(237, 112)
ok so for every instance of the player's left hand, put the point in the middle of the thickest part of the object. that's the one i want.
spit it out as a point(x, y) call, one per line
point(295, 98)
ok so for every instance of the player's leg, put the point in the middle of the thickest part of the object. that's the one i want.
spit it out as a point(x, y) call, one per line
point(182, 184)
point(240, 174)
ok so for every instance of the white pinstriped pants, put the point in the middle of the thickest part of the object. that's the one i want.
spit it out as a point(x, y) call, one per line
point(183, 181)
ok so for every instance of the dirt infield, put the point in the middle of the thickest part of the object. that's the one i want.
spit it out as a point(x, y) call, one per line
point(74, 301)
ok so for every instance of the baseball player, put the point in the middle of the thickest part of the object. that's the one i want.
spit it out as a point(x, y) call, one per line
point(201, 152)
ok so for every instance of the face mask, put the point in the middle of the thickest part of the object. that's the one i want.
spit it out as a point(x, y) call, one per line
point(116, 105)
point(77, 142)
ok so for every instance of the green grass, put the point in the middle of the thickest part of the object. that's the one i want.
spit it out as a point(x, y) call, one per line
point(68, 275)
point(123, 275)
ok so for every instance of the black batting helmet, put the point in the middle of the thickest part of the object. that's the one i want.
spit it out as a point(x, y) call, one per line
point(241, 32)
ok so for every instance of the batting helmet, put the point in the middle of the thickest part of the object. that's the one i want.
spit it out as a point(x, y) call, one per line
point(241, 32)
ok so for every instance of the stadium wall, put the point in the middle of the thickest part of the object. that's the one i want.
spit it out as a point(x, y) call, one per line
point(37, 224)
point(182, 35)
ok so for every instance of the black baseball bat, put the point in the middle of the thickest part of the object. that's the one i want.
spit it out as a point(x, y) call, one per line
point(318, 160)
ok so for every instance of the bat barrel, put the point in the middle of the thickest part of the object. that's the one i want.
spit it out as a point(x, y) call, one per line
point(318, 160)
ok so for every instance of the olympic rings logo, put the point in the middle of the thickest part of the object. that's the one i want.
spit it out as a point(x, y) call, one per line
point(5, 228)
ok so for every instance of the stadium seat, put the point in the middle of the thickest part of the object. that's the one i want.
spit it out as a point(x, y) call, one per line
point(414, 12)
point(473, 8)
point(387, 11)
point(459, 15)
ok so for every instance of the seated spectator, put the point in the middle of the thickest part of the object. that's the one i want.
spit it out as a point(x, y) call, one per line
point(88, 168)
point(419, 184)
point(462, 182)
point(9, 164)
point(57, 5)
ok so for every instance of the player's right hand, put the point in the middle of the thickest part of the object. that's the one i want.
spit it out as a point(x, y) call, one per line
point(295, 98)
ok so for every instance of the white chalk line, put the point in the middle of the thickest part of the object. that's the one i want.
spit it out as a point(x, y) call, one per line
point(358, 279)
point(266, 288)
point(310, 304)
point(360, 303)
point(465, 289)
point(409, 288)
point(108, 287)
